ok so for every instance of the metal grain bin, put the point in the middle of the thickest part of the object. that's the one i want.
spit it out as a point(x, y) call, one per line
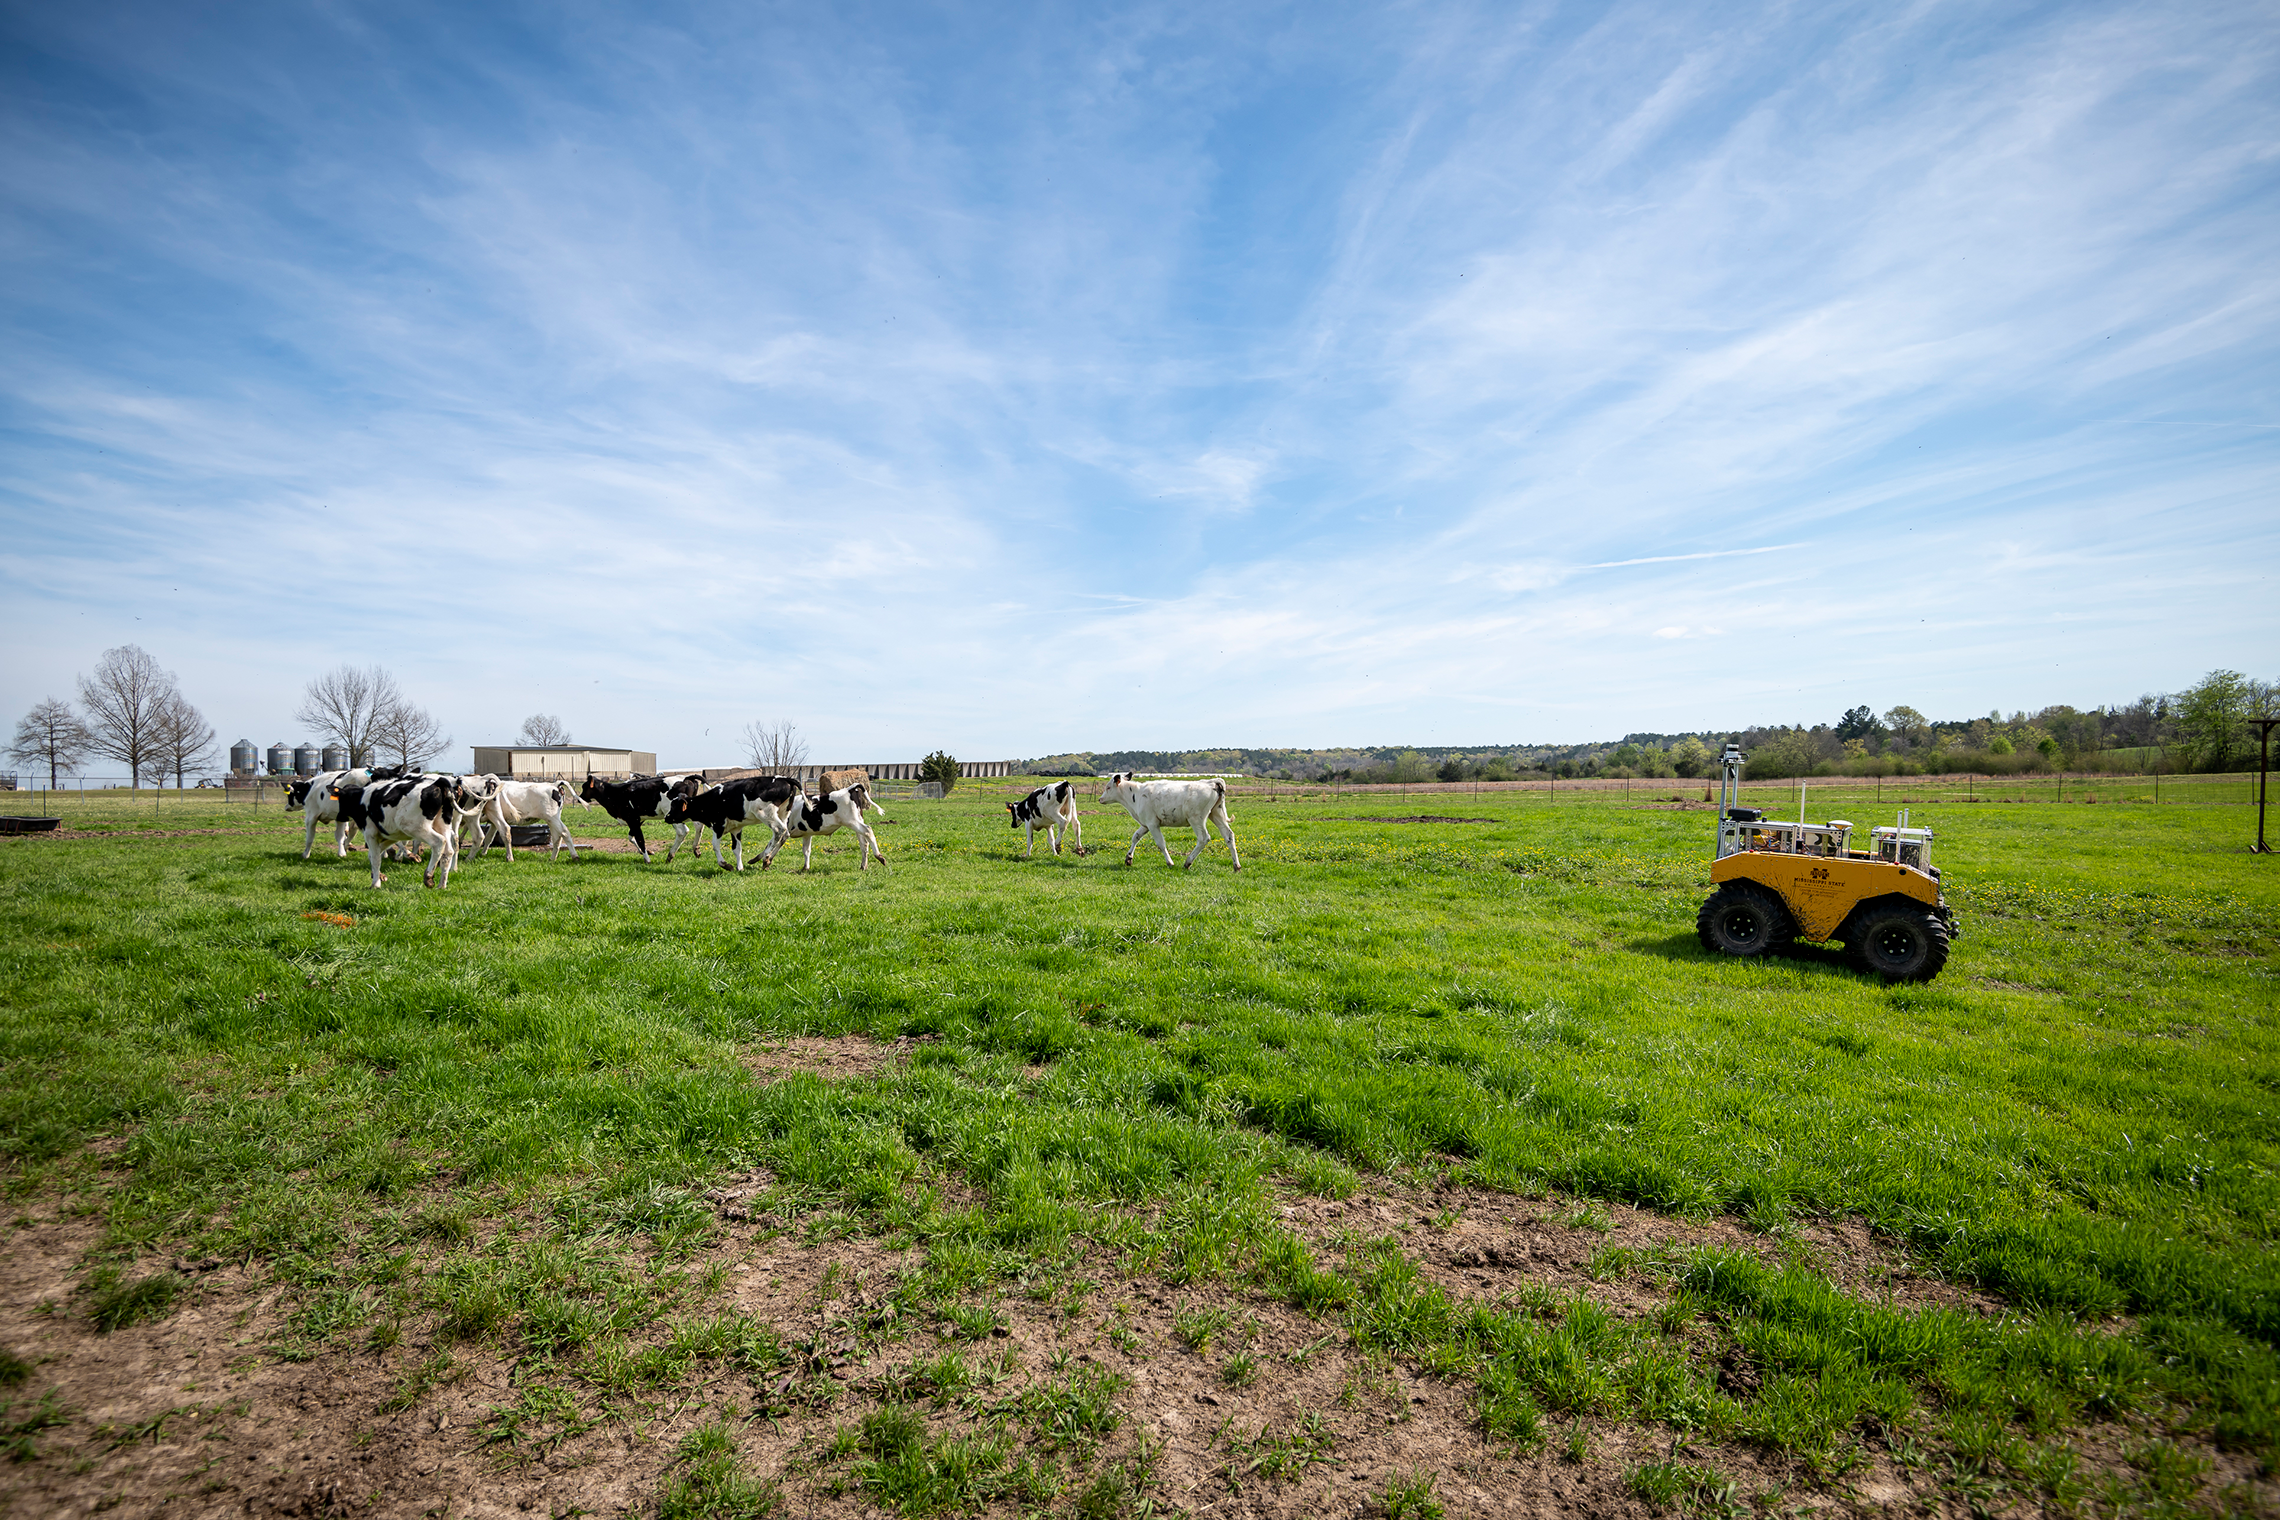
point(280, 759)
point(305, 760)
point(244, 758)
point(336, 757)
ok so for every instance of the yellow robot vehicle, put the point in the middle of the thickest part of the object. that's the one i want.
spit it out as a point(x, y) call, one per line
point(1779, 882)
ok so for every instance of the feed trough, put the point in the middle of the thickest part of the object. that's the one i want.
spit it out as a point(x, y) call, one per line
point(529, 836)
point(19, 824)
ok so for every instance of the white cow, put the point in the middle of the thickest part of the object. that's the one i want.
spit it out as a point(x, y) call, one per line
point(807, 817)
point(1152, 804)
point(1051, 808)
point(516, 802)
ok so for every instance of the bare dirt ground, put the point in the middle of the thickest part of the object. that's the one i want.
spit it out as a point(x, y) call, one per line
point(1278, 1415)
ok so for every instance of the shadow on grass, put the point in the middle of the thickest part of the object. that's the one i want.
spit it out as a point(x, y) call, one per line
point(1687, 947)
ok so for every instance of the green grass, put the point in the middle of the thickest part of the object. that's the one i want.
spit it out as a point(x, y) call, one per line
point(2079, 1117)
point(712, 1484)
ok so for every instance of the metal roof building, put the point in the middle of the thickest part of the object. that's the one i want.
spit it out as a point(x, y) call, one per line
point(545, 762)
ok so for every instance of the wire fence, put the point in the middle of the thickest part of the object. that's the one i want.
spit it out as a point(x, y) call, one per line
point(2228, 789)
point(1827, 795)
point(90, 793)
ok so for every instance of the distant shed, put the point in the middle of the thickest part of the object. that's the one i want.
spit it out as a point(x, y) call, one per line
point(540, 762)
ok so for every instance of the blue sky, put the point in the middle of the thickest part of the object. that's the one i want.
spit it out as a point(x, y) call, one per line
point(1031, 378)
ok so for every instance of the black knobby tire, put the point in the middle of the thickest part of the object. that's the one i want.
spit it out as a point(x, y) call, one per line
point(1741, 920)
point(1900, 941)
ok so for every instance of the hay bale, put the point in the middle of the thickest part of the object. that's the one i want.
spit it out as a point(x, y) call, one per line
point(835, 780)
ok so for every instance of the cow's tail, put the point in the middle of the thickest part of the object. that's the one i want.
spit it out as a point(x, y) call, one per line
point(864, 799)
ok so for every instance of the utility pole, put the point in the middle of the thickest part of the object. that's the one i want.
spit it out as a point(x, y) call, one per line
point(2264, 727)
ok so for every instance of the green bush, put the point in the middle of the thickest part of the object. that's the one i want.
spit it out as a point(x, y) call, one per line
point(941, 768)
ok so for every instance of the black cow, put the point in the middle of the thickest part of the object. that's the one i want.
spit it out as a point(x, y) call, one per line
point(643, 797)
point(728, 807)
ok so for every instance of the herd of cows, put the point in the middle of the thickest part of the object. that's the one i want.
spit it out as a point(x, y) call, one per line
point(433, 813)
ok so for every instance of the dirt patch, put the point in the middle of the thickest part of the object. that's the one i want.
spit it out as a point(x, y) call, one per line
point(834, 1056)
point(1484, 1244)
point(1274, 1415)
point(66, 833)
point(1404, 818)
point(1675, 805)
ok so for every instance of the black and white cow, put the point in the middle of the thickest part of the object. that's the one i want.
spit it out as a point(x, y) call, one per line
point(516, 802)
point(320, 795)
point(422, 811)
point(808, 818)
point(1152, 804)
point(728, 807)
point(1053, 809)
point(629, 802)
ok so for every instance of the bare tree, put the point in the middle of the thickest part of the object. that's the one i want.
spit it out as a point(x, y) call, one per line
point(185, 740)
point(774, 746)
point(128, 699)
point(51, 735)
point(409, 733)
point(347, 705)
point(543, 729)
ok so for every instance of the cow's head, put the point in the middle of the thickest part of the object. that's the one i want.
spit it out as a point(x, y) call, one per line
point(590, 789)
point(297, 794)
point(677, 811)
point(1114, 784)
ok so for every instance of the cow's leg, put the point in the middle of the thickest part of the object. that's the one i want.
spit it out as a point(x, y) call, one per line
point(680, 832)
point(1227, 832)
point(872, 840)
point(558, 838)
point(1156, 832)
point(342, 828)
point(1202, 838)
point(1076, 832)
point(309, 835)
point(633, 825)
point(372, 851)
point(1138, 834)
point(1029, 839)
point(807, 860)
point(740, 847)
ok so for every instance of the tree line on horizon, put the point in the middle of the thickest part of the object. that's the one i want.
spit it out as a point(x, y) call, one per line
point(2204, 727)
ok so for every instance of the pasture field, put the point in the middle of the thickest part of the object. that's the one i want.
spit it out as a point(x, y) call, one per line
point(1419, 1168)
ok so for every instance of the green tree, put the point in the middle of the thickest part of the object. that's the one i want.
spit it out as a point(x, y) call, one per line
point(940, 768)
point(1858, 723)
point(1909, 724)
point(2209, 714)
point(1689, 758)
point(1999, 745)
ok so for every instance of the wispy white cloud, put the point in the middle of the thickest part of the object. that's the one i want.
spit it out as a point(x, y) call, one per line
point(1284, 377)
